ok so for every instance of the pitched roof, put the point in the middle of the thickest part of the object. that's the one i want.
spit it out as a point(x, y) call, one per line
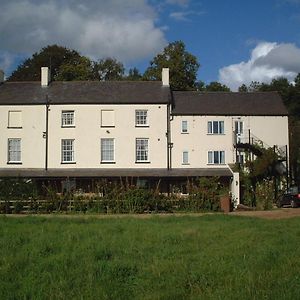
point(228, 103)
point(85, 92)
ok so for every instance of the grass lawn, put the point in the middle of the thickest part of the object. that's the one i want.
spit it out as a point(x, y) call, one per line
point(208, 257)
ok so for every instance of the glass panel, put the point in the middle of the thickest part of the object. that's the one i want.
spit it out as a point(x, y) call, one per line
point(14, 150)
point(185, 157)
point(67, 118)
point(184, 126)
point(141, 117)
point(221, 127)
point(107, 149)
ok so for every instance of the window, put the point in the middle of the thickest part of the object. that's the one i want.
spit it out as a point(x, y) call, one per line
point(215, 127)
point(141, 118)
point(216, 157)
point(67, 118)
point(185, 157)
point(14, 119)
point(107, 150)
point(67, 151)
point(107, 118)
point(141, 150)
point(14, 151)
point(184, 127)
point(239, 127)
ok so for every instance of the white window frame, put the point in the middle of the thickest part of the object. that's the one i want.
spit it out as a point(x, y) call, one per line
point(184, 126)
point(14, 151)
point(68, 118)
point(141, 118)
point(107, 150)
point(216, 157)
point(67, 150)
point(142, 150)
point(215, 127)
point(185, 157)
point(239, 127)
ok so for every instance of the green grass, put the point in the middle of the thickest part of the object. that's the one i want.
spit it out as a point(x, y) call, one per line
point(209, 257)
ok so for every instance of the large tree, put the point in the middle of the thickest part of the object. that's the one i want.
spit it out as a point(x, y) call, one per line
point(52, 56)
point(108, 69)
point(182, 64)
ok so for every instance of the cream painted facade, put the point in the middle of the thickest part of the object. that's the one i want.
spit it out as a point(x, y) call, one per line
point(86, 133)
point(271, 130)
point(30, 133)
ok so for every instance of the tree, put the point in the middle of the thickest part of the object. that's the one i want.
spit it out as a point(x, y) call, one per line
point(243, 88)
point(200, 86)
point(215, 86)
point(83, 70)
point(53, 56)
point(133, 75)
point(183, 66)
point(108, 69)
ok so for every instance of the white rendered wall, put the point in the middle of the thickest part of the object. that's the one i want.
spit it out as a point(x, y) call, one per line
point(88, 132)
point(271, 130)
point(31, 135)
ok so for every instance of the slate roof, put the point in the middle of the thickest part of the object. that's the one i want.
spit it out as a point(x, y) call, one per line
point(116, 172)
point(85, 92)
point(228, 103)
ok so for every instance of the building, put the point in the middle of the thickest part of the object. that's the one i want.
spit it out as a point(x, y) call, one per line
point(89, 130)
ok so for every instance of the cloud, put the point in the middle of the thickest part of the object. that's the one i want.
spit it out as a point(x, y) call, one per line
point(267, 61)
point(184, 15)
point(125, 30)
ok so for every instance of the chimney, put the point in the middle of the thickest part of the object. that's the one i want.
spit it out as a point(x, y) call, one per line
point(1, 76)
point(45, 76)
point(165, 77)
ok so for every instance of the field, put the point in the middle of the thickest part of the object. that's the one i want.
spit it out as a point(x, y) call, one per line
point(187, 257)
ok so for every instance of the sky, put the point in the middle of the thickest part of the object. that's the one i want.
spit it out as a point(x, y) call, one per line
point(234, 41)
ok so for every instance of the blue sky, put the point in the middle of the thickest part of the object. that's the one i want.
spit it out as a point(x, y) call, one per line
point(235, 41)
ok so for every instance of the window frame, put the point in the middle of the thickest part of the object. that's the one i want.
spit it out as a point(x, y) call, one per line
point(138, 151)
point(185, 160)
point(72, 151)
point(184, 128)
point(139, 118)
point(15, 152)
point(64, 118)
point(107, 161)
point(216, 157)
point(215, 127)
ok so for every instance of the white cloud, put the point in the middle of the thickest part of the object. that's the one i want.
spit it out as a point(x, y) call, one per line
point(267, 61)
point(184, 15)
point(125, 30)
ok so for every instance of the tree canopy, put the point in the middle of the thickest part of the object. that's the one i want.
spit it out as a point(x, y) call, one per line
point(108, 69)
point(182, 64)
point(53, 56)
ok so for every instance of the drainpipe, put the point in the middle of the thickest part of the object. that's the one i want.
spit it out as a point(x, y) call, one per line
point(168, 136)
point(46, 132)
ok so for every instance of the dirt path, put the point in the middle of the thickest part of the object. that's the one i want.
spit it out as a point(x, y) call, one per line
point(282, 213)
